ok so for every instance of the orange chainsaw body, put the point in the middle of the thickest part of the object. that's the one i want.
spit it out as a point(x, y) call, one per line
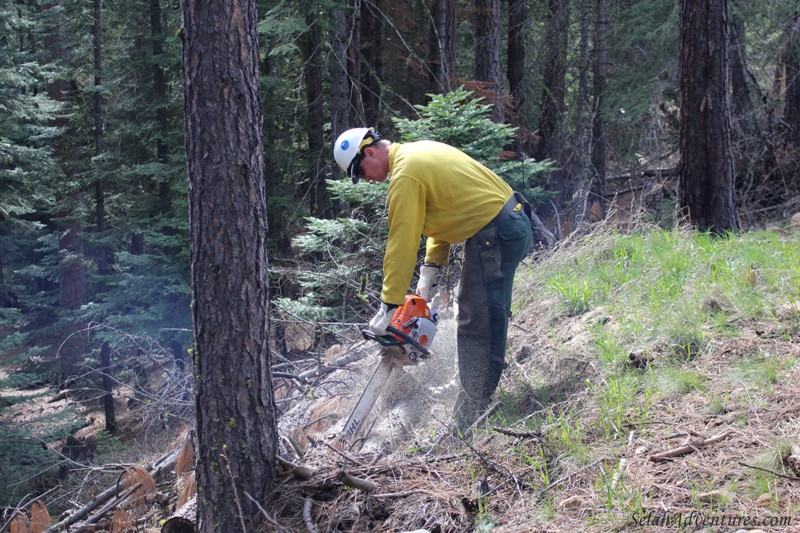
point(414, 319)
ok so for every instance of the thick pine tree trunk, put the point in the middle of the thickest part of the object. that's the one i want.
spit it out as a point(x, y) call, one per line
point(235, 409)
point(706, 178)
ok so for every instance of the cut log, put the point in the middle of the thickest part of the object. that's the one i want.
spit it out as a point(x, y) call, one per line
point(182, 520)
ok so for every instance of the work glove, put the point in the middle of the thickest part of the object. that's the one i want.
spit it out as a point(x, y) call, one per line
point(382, 319)
point(428, 273)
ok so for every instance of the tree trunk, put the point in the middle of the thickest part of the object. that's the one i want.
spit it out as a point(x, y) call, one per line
point(371, 57)
point(160, 96)
point(71, 271)
point(340, 103)
point(550, 145)
point(706, 179)
point(103, 252)
point(554, 80)
point(487, 53)
point(108, 388)
point(742, 107)
point(354, 67)
point(791, 61)
point(598, 152)
point(311, 43)
point(517, 26)
point(236, 424)
point(581, 124)
point(442, 60)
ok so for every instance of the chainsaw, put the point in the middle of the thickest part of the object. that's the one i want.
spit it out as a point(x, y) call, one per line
point(407, 341)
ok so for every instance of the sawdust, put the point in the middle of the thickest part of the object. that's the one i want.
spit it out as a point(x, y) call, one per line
point(414, 404)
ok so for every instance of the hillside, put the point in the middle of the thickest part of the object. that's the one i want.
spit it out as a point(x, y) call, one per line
point(652, 378)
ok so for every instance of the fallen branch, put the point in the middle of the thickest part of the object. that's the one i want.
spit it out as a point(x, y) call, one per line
point(403, 494)
point(793, 478)
point(23, 505)
point(292, 377)
point(650, 173)
point(307, 518)
point(515, 433)
point(332, 366)
point(345, 455)
point(564, 478)
point(162, 465)
point(357, 482)
point(689, 447)
point(299, 471)
point(279, 528)
point(95, 518)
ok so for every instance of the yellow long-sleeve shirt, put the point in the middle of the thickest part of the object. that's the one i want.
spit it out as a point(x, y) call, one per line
point(440, 192)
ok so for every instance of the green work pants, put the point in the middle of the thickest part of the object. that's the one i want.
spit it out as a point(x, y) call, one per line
point(491, 257)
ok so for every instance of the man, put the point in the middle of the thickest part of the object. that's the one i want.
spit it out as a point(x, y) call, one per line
point(440, 192)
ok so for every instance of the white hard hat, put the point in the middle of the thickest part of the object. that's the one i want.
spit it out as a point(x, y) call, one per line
point(347, 149)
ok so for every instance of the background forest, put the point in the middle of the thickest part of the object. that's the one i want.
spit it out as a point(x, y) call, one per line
point(574, 102)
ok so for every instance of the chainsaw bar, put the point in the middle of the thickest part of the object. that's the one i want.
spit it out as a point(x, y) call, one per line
point(391, 359)
point(412, 329)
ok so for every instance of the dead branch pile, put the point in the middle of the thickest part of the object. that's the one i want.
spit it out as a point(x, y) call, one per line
point(404, 492)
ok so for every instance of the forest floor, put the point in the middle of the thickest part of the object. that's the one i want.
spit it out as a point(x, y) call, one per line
point(603, 421)
point(709, 451)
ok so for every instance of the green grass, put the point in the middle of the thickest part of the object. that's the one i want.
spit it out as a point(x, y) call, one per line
point(756, 372)
point(673, 297)
point(678, 380)
point(656, 282)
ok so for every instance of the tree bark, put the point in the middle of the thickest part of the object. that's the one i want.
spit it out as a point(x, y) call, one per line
point(554, 80)
point(706, 180)
point(515, 69)
point(487, 53)
point(311, 44)
point(372, 44)
point(354, 65)
point(340, 105)
point(442, 61)
point(236, 424)
point(71, 271)
point(108, 388)
point(160, 93)
point(742, 108)
point(791, 61)
point(598, 151)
